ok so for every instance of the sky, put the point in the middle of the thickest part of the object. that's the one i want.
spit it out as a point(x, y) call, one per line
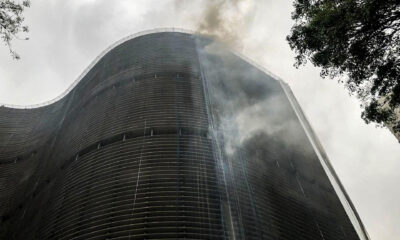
point(66, 36)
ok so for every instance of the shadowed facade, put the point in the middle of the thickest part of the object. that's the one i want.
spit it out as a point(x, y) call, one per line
point(168, 136)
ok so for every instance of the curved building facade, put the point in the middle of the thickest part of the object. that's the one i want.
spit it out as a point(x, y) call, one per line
point(169, 136)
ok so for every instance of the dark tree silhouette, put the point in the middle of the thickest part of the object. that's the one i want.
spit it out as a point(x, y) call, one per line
point(358, 43)
point(11, 22)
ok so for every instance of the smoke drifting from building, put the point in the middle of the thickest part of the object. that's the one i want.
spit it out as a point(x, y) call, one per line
point(224, 20)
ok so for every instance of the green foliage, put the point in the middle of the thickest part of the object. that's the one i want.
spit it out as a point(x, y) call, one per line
point(11, 22)
point(358, 42)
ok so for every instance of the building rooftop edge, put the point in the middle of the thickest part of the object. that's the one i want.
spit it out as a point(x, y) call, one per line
point(117, 43)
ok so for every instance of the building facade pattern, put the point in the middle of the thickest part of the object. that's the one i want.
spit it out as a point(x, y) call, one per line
point(149, 145)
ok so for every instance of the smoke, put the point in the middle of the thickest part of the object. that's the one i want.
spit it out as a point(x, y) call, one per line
point(245, 100)
point(224, 20)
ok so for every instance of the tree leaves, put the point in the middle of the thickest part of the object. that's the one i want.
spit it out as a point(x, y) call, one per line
point(359, 43)
point(11, 22)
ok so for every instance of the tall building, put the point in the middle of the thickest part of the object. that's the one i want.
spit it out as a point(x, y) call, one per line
point(169, 135)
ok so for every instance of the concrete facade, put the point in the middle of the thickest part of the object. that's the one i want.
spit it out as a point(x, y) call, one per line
point(169, 136)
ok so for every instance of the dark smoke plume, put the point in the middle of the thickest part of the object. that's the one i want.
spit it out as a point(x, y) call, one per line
point(224, 20)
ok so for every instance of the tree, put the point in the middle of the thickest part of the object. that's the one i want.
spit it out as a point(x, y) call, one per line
point(11, 22)
point(358, 43)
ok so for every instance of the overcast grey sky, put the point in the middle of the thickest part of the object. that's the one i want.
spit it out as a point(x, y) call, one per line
point(65, 36)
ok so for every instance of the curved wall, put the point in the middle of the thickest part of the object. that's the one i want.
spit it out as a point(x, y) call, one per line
point(149, 145)
point(127, 145)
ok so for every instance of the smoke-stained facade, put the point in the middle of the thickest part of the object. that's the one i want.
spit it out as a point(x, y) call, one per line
point(169, 136)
